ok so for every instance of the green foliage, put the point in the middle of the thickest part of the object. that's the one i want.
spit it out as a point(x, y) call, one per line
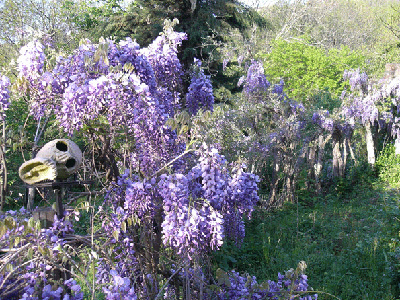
point(388, 166)
point(323, 99)
point(54, 21)
point(360, 174)
point(308, 69)
point(208, 25)
point(343, 239)
point(88, 14)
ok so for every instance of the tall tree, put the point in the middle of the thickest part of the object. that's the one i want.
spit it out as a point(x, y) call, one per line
point(52, 20)
point(207, 23)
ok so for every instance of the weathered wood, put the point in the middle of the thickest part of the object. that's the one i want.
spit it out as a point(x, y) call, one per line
point(45, 215)
point(59, 204)
point(337, 160)
point(56, 184)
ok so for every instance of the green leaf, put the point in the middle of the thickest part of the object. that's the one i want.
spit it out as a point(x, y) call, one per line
point(115, 235)
point(183, 129)
point(17, 241)
point(38, 226)
point(223, 278)
point(31, 222)
point(172, 123)
point(3, 229)
point(9, 222)
point(9, 267)
point(123, 227)
point(41, 250)
point(64, 259)
point(30, 253)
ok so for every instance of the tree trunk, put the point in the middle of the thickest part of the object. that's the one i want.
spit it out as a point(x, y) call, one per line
point(342, 169)
point(274, 180)
point(337, 162)
point(4, 181)
point(290, 189)
point(370, 144)
point(312, 157)
point(318, 166)
point(397, 146)
point(31, 191)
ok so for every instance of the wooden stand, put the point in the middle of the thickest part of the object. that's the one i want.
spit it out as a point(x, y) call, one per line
point(57, 187)
point(46, 217)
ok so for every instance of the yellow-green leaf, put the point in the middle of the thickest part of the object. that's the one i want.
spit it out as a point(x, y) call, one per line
point(116, 235)
point(37, 225)
point(31, 223)
point(30, 253)
point(123, 227)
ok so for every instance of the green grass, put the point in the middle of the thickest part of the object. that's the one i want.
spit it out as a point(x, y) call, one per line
point(349, 241)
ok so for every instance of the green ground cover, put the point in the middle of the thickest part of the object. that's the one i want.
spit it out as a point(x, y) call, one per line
point(348, 238)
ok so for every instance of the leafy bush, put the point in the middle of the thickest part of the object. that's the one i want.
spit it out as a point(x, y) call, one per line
point(307, 69)
point(388, 166)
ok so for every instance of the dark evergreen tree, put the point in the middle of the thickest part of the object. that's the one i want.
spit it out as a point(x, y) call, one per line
point(208, 24)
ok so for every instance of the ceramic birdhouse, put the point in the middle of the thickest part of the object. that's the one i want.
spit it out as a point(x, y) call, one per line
point(58, 159)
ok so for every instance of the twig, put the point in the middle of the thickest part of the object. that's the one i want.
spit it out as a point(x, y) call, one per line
point(166, 283)
point(172, 161)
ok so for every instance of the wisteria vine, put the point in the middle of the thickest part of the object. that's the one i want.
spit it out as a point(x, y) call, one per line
point(163, 215)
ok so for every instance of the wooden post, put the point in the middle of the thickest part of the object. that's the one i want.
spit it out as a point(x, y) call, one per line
point(59, 204)
point(45, 215)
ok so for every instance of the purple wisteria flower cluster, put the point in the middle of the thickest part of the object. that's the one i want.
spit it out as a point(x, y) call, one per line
point(198, 207)
point(291, 285)
point(49, 294)
point(256, 82)
point(31, 60)
point(323, 120)
point(4, 95)
point(136, 90)
point(358, 80)
point(359, 106)
point(361, 103)
point(121, 288)
point(190, 226)
point(362, 109)
point(373, 103)
point(162, 55)
point(200, 92)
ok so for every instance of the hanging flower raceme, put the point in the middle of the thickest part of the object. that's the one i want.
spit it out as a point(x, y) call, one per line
point(323, 120)
point(31, 60)
point(198, 207)
point(200, 93)
point(191, 226)
point(256, 82)
point(361, 104)
point(4, 95)
point(162, 54)
point(357, 80)
point(35, 81)
point(116, 81)
point(206, 204)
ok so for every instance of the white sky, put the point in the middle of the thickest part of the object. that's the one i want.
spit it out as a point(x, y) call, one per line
point(258, 3)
